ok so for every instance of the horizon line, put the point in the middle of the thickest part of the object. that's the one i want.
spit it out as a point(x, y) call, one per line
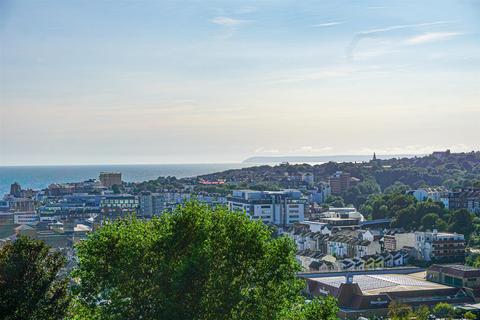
point(200, 162)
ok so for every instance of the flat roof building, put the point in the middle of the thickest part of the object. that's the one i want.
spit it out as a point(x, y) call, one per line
point(367, 293)
point(457, 275)
point(281, 208)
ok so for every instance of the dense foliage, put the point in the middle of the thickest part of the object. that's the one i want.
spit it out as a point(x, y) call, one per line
point(193, 263)
point(30, 287)
point(408, 213)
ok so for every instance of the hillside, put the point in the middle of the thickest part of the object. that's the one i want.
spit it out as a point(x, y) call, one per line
point(455, 170)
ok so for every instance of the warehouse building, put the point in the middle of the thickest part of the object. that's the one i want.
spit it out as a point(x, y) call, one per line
point(368, 293)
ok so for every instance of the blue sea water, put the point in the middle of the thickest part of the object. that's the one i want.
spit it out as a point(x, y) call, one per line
point(39, 177)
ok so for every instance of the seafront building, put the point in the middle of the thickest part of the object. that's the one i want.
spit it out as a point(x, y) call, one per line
point(282, 208)
point(110, 179)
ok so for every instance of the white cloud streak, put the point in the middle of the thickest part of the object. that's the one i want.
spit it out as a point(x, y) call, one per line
point(327, 24)
point(372, 33)
point(431, 37)
point(228, 22)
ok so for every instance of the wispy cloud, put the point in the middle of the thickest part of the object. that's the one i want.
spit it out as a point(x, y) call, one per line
point(228, 21)
point(377, 32)
point(327, 24)
point(401, 26)
point(431, 37)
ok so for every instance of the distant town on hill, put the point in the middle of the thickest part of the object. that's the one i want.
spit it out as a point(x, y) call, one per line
point(319, 159)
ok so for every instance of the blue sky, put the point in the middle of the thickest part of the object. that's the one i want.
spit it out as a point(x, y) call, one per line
point(219, 81)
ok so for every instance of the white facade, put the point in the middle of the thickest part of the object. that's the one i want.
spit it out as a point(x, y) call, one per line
point(424, 242)
point(316, 226)
point(278, 207)
point(29, 218)
point(433, 193)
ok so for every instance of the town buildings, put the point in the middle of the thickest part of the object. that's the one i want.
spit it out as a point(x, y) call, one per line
point(436, 194)
point(468, 198)
point(20, 204)
point(320, 193)
point(281, 208)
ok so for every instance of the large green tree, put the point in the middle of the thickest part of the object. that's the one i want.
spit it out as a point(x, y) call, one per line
point(30, 287)
point(461, 221)
point(193, 263)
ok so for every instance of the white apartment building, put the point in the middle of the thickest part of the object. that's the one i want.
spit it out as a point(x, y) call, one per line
point(439, 245)
point(281, 208)
point(433, 193)
point(29, 218)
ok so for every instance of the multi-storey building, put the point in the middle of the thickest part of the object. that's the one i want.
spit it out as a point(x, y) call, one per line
point(60, 189)
point(341, 218)
point(396, 240)
point(339, 182)
point(151, 203)
point(29, 218)
point(277, 207)
point(320, 194)
point(15, 189)
point(118, 204)
point(21, 204)
point(464, 199)
point(342, 246)
point(109, 179)
point(440, 246)
point(433, 193)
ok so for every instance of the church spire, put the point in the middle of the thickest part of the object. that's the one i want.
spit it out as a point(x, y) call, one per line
point(374, 157)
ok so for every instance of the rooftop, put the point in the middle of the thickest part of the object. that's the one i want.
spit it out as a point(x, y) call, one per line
point(374, 284)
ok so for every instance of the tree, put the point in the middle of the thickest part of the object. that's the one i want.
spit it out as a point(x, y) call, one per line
point(399, 311)
point(397, 187)
point(193, 263)
point(443, 310)
point(429, 221)
point(335, 201)
point(116, 189)
point(325, 309)
point(30, 287)
point(422, 313)
point(470, 315)
point(461, 221)
point(405, 218)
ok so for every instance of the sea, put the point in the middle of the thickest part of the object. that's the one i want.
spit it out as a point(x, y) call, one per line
point(39, 177)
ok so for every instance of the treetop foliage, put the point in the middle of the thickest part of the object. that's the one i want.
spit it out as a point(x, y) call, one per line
point(193, 263)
